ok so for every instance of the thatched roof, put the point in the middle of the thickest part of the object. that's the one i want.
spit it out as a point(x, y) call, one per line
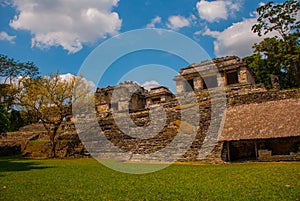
point(274, 119)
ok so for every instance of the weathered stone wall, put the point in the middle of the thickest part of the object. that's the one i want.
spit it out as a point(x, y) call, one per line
point(32, 141)
point(266, 155)
point(71, 146)
point(235, 96)
point(243, 75)
point(247, 95)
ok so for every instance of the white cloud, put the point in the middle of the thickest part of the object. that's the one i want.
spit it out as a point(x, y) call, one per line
point(69, 77)
point(215, 10)
point(150, 84)
point(177, 22)
point(153, 22)
point(237, 39)
point(5, 36)
point(66, 23)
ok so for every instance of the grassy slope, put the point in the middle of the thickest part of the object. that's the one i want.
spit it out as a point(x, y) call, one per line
point(85, 179)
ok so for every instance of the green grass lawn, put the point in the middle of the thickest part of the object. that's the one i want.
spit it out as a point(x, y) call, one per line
point(86, 179)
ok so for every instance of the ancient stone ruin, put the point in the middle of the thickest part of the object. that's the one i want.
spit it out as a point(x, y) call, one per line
point(259, 124)
point(247, 135)
point(227, 71)
point(116, 98)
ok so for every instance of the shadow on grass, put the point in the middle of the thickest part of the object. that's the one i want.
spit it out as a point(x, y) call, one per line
point(19, 164)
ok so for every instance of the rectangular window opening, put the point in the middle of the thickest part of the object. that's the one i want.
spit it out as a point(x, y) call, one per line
point(232, 78)
point(190, 85)
point(156, 100)
point(210, 82)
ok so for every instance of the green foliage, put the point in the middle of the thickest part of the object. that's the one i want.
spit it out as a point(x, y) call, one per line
point(273, 56)
point(6, 93)
point(28, 117)
point(16, 120)
point(277, 17)
point(10, 69)
point(4, 120)
point(279, 56)
point(85, 179)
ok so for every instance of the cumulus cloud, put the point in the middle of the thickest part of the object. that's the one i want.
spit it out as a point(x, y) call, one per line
point(153, 22)
point(5, 36)
point(177, 22)
point(66, 23)
point(68, 77)
point(215, 10)
point(150, 84)
point(237, 39)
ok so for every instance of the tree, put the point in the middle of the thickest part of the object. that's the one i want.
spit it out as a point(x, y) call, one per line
point(278, 55)
point(11, 69)
point(50, 98)
point(4, 120)
point(272, 58)
point(16, 120)
point(277, 17)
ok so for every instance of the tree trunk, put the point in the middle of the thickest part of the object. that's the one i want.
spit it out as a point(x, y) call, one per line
point(53, 141)
point(52, 145)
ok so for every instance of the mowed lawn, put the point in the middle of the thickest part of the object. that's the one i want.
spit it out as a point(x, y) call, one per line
point(86, 179)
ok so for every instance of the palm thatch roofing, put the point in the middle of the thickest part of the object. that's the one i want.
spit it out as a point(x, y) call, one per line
point(274, 119)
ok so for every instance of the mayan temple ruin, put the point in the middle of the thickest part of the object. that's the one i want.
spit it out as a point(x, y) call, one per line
point(255, 123)
point(234, 73)
point(260, 124)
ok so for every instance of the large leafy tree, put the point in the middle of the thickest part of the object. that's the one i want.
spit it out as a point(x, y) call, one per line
point(50, 98)
point(278, 55)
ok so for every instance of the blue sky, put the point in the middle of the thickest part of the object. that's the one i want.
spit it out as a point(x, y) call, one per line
point(60, 34)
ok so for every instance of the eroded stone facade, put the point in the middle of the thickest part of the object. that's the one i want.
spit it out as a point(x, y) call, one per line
point(158, 95)
point(228, 71)
point(118, 97)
